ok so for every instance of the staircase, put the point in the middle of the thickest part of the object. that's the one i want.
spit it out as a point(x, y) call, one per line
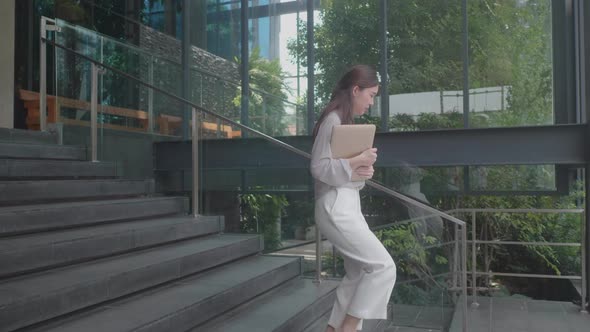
point(83, 250)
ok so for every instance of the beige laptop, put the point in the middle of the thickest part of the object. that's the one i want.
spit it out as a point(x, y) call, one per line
point(350, 140)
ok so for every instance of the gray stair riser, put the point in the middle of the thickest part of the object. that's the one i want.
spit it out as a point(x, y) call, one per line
point(205, 310)
point(290, 307)
point(154, 308)
point(18, 168)
point(27, 136)
point(64, 252)
point(41, 307)
point(371, 325)
point(29, 151)
point(55, 217)
point(310, 314)
point(12, 192)
point(320, 324)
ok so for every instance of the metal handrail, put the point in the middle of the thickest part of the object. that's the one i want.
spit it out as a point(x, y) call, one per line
point(532, 210)
point(458, 223)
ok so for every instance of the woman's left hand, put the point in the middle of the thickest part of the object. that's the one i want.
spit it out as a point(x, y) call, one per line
point(364, 172)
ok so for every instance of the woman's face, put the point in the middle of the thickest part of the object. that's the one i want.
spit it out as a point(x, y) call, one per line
point(362, 99)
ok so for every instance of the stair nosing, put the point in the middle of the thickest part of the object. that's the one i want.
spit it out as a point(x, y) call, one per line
point(206, 277)
point(50, 250)
point(79, 234)
point(54, 206)
point(84, 270)
point(265, 300)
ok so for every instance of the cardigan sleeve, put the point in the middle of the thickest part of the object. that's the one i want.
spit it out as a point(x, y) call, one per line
point(324, 168)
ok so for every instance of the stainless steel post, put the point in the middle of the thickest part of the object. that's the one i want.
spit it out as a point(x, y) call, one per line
point(318, 255)
point(456, 257)
point(474, 304)
point(94, 112)
point(47, 24)
point(464, 274)
point(43, 76)
point(195, 150)
point(583, 258)
point(151, 96)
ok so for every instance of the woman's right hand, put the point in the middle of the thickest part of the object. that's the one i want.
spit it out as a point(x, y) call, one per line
point(366, 158)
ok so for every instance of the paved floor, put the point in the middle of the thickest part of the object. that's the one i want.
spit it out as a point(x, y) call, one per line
point(522, 315)
point(423, 318)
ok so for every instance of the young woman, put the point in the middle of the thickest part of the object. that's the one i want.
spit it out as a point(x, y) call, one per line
point(370, 271)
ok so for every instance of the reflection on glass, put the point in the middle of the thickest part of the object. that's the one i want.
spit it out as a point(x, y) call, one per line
point(426, 184)
point(512, 178)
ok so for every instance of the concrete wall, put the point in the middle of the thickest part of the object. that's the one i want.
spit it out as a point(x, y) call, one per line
point(7, 19)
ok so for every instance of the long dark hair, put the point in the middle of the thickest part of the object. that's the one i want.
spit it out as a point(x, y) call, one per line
point(362, 76)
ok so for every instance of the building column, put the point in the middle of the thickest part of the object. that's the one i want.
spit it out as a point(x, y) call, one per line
point(7, 20)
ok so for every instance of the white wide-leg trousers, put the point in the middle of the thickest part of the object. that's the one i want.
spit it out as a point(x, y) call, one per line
point(370, 270)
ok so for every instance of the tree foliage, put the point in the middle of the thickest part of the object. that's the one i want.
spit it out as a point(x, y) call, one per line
point(261, 213)
point(510, 45)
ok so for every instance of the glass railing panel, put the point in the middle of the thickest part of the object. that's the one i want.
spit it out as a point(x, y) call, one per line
point(121, 91)
point(215, 93)
point(506, 178)
point(79, 39)
point(166, 75)
point(269, 113)
point(427, 249)
point(442, 185)
point(520, 250)
point(433, 185)
point(73, 90)
point(127, 123)
point(269, 110)
point(275, 116)
point(258, 187)
point(107, 50)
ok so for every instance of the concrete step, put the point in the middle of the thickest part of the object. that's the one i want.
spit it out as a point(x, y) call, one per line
point(181, 305)
point(42, 217)
point(27, 136)
point(288, 308)
point(23, 192)
point(44, 169)
point(37, 151)
point(41, 251)
point(369, 325)
point(38, 297)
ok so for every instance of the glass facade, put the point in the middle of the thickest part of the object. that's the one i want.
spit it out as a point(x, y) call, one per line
point(512, 61)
